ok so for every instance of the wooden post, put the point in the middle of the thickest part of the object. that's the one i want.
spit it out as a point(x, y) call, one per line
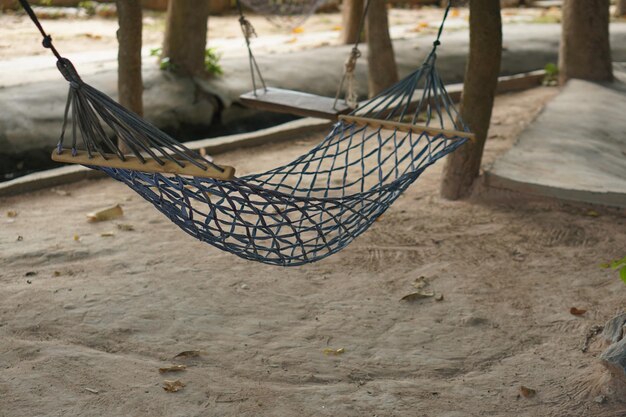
point(479, 88)
point(382, 69)
point(351, 15)
point(585, 51)
point(129, 81)
point(185, 35)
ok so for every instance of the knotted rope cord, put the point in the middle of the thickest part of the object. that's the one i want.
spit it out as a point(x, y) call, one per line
point(351, 96)
point(248, 32)
point(93, 111)
point(310, 207)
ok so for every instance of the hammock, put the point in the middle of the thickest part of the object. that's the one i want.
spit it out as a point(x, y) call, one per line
point(294, 214)
point(290, 13)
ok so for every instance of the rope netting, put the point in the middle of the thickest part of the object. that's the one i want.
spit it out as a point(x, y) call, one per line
point(289, 13)
point(299, 212)
point(315, 205)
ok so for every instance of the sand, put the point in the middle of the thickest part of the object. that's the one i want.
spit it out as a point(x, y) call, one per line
point(86, 324)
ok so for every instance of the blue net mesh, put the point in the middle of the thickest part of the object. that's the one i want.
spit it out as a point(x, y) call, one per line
point(317, 204)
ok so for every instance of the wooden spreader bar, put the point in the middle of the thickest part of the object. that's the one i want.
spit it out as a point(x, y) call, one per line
point(297, 103)
point(406, 127)
point(150, 165)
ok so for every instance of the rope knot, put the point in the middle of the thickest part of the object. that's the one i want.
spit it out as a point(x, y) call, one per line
point(47, 41)
point(437, 43)
point(247, 28)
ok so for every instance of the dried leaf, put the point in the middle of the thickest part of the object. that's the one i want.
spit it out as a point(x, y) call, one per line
point(93, 391)
point(76, 238)
point(592, 213)
point(577, 311)
point(173, 386)
point(107, 234)
point(30, 274)
point(418, 295)
point(188, 354)
point(420, 282)
point(11, 213)
point(298, 29)
point(126, 227)
point(106, 214)
point(173, 368)
point(527, 392)
point(334, 352)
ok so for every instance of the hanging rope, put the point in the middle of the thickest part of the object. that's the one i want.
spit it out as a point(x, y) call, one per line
point(248, 32)
point(351, 97)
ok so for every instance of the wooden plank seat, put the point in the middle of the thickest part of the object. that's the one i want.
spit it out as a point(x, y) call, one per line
point(405, 127)
point(294, 102)
point(150, 164)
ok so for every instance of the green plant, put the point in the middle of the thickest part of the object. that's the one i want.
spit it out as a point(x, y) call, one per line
point(552, 74)
point(620, 265)
point(88, 6)
point(156, 52)
point(212, 62)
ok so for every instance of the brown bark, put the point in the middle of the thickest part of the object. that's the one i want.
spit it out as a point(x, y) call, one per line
point(382, 69)
point(620, 8)
point(585, 49)
point(129, 82)
point(351, 15)
point(185, 35)
point(481, 79)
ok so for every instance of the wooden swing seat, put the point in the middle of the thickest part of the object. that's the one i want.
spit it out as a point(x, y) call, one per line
point(150, 165)
point(278, 100)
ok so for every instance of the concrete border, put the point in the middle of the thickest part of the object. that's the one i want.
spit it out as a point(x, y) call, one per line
point(213, 146)
point(608, 199)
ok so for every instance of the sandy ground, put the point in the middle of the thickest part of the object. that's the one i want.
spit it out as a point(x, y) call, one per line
point(85, 325)
point(20, 38)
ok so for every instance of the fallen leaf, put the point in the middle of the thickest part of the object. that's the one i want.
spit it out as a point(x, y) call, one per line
point(106, 214)
point(337, 28)
point(30, 274)
point(420, 282)
point(592, 213)
point(577, 311)
point(173, 386)
point(527, 392)
point(126, 227)
point(334, 352)
point(93, 391)
point(189, 354)
point(11, 213)
point(57, 274)
point(107, 234)
point(455, 13)
point(173, 368)
point(418, 295)
point(298, 29)
point(76, 238)
point(62, 193)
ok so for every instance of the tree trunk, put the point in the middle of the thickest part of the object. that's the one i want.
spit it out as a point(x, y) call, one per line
point(481, 80)
point(351, 15)
point(185, 35)
point(620, 8)
point(585, 50)
point(380, 57)
point(129, 82)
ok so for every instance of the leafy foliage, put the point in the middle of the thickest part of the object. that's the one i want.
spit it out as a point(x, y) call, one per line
point(619, 264)
point(212, 62)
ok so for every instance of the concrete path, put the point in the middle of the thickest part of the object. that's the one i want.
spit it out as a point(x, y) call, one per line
point(32, 113)
point(575, 150)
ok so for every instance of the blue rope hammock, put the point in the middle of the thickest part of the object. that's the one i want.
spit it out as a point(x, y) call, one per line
point(302, 211)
